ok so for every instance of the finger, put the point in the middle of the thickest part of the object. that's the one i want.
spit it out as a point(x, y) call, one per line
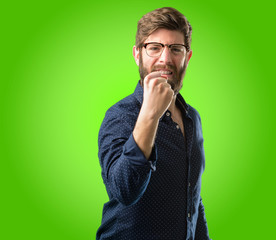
point(167, 85)
point(153, 75)
point(156, 81)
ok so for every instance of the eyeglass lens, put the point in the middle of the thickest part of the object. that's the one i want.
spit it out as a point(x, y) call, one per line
point(156, 49)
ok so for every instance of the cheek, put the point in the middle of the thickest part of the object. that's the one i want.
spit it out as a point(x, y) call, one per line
point(181, 64)
point(149, 64)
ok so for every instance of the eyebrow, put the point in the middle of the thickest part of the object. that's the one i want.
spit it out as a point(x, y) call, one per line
point(167, 44)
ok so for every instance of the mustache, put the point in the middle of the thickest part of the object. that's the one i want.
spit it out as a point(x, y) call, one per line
point(169, 67)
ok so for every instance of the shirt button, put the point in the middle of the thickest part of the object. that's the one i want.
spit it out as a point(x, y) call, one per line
point(189, 215)
point(177, 126)
point(189, 184)
point(168, 114)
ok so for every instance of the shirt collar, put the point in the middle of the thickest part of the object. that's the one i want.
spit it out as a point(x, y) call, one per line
point(180, 102)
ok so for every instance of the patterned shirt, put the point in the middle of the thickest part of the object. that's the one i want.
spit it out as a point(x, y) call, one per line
point(158, 198)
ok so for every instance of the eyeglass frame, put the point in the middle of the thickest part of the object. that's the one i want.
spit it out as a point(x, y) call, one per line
point(163, 46)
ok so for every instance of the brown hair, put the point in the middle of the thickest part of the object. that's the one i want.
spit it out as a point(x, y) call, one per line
point(168, 18)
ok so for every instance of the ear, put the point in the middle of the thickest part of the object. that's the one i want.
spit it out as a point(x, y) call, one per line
point(136, 55)
point(189, 55)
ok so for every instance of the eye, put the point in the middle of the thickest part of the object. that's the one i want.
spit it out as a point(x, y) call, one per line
point(154, 47)
point(177, 49)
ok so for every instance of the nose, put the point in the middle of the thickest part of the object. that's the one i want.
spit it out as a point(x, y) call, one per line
point(165, 56)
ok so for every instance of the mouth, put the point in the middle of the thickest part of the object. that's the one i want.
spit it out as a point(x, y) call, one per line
point(165, 72)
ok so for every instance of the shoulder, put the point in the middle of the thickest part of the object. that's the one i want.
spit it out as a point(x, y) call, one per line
point(193, 112)
point(125, 108)
point(195, 116)
point(121, 117)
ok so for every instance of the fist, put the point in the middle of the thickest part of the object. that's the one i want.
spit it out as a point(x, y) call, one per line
point(158, 95)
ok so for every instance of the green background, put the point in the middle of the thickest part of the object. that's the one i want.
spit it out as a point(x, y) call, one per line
point(63, 64)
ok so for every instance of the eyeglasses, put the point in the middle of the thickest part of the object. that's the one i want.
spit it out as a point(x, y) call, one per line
point(155, 49)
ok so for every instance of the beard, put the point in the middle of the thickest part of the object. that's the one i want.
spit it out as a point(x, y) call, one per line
point(176, 81)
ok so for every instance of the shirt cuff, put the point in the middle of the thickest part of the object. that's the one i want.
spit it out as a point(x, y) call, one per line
point(137, 157)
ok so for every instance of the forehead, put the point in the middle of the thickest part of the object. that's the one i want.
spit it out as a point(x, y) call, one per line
point(166, 36)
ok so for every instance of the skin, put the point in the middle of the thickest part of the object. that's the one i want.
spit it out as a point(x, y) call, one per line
point(158, 93)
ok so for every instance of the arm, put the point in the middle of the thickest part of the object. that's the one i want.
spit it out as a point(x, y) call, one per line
point(201, 227)
point(158, 96)
point(125, 170)
point(126, 154)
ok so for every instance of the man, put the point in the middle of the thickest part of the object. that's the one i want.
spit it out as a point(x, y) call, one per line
point(151, 144)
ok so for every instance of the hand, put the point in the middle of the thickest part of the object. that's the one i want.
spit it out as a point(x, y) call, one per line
point(158, 95)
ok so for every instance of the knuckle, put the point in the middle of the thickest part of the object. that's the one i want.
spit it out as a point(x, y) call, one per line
point(154, 82)
point(160, 87)
point(146, 80)
point(169, 91)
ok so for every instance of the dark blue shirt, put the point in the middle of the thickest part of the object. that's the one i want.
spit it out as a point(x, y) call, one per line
point(157, 198)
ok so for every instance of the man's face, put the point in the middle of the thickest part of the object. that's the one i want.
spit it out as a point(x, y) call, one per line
point(166, 62)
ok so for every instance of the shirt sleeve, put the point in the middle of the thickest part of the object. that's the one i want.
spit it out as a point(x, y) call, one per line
point(201, 226)
point(125, 170)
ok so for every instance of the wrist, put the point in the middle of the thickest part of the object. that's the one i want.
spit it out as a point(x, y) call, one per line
point(149, 116)
point(150, 113)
